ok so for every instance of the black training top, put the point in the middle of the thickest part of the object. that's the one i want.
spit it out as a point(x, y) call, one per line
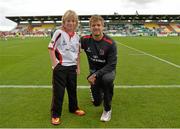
point(102, 55)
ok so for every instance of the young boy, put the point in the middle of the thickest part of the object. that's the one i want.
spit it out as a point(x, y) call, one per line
point(64, 53)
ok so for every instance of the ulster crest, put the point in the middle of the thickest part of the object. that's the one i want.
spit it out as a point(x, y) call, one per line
point(101, 52)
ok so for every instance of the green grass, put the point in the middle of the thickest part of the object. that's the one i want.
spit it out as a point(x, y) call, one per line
point(132, 108)
point(134, 68)
point(27, 62)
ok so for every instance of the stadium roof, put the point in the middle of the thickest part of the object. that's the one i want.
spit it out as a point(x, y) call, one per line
point(19, 19)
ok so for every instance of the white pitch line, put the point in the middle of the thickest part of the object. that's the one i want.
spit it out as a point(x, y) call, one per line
point(87, 87)
point(11, 55)
point(175, 65)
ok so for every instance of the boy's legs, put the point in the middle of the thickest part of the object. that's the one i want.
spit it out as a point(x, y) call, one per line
point(59, 81)
point(72, 88)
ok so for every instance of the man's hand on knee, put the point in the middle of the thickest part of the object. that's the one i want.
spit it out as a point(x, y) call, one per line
point(91, 79)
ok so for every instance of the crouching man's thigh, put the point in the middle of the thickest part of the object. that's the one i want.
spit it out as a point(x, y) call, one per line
point(109, 77)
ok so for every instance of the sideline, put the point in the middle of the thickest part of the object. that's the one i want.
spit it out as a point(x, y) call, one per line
point(160, 59)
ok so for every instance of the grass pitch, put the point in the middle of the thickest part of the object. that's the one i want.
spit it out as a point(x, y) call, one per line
point(26, 62)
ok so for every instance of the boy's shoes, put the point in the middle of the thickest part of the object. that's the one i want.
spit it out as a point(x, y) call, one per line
point(79, 112)
point(106, 116)
point(55, 121)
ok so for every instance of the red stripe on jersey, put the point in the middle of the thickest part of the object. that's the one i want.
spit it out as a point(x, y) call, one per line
point(87, 36)
point(57, 39)
point(59, 56)
point(107, 40)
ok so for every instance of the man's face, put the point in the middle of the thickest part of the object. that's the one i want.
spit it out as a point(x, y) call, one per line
point(97, 28)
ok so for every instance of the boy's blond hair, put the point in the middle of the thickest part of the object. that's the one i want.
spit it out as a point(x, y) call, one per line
point(96, 18)
point(70, 14)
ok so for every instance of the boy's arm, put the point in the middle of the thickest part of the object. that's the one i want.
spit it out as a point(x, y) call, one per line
point(52, 48)
point(53, 58)
point(78, 62)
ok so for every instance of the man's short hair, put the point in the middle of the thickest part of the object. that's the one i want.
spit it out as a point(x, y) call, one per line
point(95, 18)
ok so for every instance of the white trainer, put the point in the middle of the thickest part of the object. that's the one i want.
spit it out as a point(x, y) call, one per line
point(106, 116)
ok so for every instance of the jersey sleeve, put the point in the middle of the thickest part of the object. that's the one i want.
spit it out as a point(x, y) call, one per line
point(55, 37)
point(79, 44)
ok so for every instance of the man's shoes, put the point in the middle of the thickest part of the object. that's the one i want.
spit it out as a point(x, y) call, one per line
point(79, 112)
point(55, 121)
point(106, 116)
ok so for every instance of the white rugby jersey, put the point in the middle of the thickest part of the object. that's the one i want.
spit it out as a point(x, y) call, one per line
point(66, 47)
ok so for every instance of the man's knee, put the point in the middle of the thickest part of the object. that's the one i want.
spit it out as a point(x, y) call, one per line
point(108, 78)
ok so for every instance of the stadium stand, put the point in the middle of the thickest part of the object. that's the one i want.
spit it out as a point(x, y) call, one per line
point(115, 25)
point(176, 27)
point(151, 25)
